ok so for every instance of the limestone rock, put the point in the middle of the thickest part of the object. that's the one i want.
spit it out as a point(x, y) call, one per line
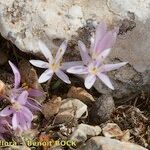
point(84, 131)
point(125, 80)
point(24, 22)
point(134, 47)
point(81, 94)
point(78, 107)
point(51, 107)
point(71, 110)
point(120, 7)
point(104, 143)
point(112, 130)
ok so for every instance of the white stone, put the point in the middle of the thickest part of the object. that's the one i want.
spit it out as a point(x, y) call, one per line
point(25, 21)
point(141, 8)
point(105, 143)
point(79, 107)
point(84, 131)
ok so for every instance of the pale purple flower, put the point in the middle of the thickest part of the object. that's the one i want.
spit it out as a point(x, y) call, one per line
point(96, 69)
point(17, 79)
point(93, 64)
point(103, 40)
point(17, 89)
point(54, 65)
point(21, 115)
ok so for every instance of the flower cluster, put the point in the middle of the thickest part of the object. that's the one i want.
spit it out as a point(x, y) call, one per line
point(18, 115)
point(93, 62)
point(54, 65)
point(92, 65)
point(21, 101)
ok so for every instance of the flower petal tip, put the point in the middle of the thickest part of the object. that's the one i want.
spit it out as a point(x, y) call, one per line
point(30, 61)
point(69, 70)
point(69, 82)
point(40, 81)
point(112, 88)
point(124, 63)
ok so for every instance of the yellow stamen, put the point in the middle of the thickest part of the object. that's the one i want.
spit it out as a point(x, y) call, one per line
point(16, 106)
point(94, 70)
point(54, 66)
point(25, 86)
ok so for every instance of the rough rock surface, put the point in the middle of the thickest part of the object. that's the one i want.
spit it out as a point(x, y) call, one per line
point(134, 46)
point(81, 94)
point(104, 143)
point(102, 109)
point(70, 110)
point(125, 80)
point(84, 131)
point(23, 22)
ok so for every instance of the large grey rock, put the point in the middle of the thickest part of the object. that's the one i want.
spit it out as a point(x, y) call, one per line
point(125, 80)
point(25, 21)
point(134, 47)
point(140, 8)
point(104, 143)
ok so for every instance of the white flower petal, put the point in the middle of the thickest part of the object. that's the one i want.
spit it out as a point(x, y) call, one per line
point(84, 53)
point(70, 64)
point(16, 73)
point(46, 52)
point(22, 99)
point(89, 81)
point(15, 121)
point(39, 63)
point(63, 76)
point(25, 123)
point(27, 113)
point(110, 67)
point(99, 34)
point(78, 70)
point(92, 43)
point(46, 75)
point(21, 121)
point(94, 64)
point(107, 41)
point(105, 79)
point(6, 111)
point(103, 54)
point(61, 51)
